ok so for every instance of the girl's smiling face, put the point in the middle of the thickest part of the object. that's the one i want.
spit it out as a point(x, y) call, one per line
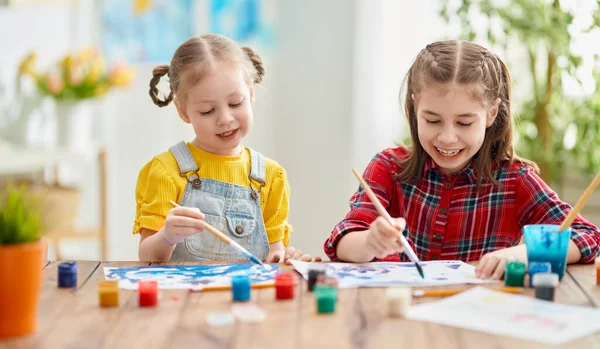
point(452, 124)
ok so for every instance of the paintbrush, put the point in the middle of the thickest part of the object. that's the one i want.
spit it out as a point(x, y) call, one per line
point(584, 198)
point(382, 212)
point(227, 240)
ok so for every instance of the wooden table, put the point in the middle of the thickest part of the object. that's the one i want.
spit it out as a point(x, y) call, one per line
point(73, 319)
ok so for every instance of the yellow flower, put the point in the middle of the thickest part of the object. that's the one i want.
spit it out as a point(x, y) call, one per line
point(141, 6)
point(96, 70)
point(100, 90)
point(27, 65)
point(121, 75)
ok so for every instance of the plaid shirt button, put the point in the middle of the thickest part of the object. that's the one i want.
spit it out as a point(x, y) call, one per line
point(448, 185)
point(438, 236)
point(444, 210)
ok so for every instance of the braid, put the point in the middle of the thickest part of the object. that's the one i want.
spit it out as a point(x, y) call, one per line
point(257, 63)
point(157, 74)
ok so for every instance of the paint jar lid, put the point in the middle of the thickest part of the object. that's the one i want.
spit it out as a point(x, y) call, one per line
point(398, 293)
point(240, 280)
point(285, 279)
point(108, 284)
point(67, 267)
point(540, 267)
point(147, 285)
point(545, 279)
point(325, 291)
point(515, 267)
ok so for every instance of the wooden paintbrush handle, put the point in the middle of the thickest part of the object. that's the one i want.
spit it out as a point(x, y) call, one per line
point(218, 234)
point(584, 198)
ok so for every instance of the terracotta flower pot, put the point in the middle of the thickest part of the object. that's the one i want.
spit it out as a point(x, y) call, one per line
point(20, 284)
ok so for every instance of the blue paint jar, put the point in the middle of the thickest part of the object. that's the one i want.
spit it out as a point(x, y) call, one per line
point(538, 267)
point(240, 286)
point(67, 274)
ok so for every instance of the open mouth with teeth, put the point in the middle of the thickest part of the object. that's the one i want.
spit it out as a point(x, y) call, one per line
point(448, 152)
point(228, 134)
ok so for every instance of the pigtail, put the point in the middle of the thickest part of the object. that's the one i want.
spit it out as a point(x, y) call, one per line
point(257, 63)
point(157, 73)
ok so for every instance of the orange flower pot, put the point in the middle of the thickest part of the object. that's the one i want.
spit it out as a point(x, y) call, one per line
point(20, 284)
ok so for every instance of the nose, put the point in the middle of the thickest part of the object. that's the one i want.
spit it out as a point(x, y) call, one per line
point(447, 136)
point(225, 118)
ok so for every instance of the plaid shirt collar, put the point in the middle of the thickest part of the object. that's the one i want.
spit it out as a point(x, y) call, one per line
point(468, 172)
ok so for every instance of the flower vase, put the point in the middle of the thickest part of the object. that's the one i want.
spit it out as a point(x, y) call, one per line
point(74, 125)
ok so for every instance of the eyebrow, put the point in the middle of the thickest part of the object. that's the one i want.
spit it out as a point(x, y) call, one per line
point(229, 95)
point(464, 115)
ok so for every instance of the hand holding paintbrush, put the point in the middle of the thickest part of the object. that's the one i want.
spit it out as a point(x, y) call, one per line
point(397, 237)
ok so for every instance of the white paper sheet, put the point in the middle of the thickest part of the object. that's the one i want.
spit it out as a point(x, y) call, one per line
point(382, 274)
point(481, 309)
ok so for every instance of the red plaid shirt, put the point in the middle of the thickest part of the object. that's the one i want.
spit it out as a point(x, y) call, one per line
point(446, 218)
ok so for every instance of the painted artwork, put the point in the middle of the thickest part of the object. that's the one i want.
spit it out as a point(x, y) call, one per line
point(481, 309)
point(242, 20)
point(193, 277)
point(145, 31)
point(382, 274)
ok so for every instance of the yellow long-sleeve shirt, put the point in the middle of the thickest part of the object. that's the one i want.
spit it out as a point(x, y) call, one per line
point(159, 181)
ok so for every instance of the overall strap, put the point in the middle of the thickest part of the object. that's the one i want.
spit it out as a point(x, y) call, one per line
point(258, 167)
point(184, 158)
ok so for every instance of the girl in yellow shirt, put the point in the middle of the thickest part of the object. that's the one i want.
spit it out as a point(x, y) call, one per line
point(214, 178)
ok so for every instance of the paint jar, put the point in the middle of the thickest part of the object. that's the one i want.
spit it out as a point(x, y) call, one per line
point(326, 297)
point(323, 279)
point(545, 284)
point(285, 283)
point(538, 267)
point(313, 274)
point(67, 274)
point(545, 244)
point(597, 263)
point(398, 300)
point(148, 293)
point(108, 293)
point(240, 286)
point(515, 274)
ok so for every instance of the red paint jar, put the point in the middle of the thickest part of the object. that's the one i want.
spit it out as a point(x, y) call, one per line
point(285, 283)
point(148, 293)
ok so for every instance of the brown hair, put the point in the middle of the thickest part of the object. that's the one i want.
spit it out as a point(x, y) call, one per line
point(195, 56)
point(464, 63)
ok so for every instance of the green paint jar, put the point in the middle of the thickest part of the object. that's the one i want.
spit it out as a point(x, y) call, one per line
point(514, 275)
point(326, 297)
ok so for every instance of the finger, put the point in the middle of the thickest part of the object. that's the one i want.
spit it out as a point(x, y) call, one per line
point(489, 267)
point(192, 212)
point(305, 258)
point(289, 252)
point(400, 223)
point(499, 272)
point(297, 254)
point(274, 259)
point(186, 222)
point(318, 259)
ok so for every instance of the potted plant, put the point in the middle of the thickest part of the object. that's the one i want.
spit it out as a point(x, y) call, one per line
point(22, 253)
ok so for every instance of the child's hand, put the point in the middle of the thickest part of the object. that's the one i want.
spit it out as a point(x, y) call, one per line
point(492, 265)
point(383, 239)
point(292, 253)
point(182, 222)
point(278, 253)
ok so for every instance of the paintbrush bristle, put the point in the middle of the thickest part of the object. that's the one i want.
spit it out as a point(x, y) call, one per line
point(420, 269)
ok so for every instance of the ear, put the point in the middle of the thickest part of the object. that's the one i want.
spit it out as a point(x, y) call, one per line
point(181, 111)
point(252, 94)
point(493, 112)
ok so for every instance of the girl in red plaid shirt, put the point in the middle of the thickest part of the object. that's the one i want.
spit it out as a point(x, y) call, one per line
point(461, 190)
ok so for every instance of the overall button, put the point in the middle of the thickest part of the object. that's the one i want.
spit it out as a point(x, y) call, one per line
point(239, 229)
point(444, 210)
point(438, 236)
point(448, 185)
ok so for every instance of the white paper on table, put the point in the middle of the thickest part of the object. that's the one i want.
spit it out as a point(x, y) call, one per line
point(382, 274)
point(484, 310)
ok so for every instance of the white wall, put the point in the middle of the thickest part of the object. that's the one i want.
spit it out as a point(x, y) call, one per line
point(328, 103)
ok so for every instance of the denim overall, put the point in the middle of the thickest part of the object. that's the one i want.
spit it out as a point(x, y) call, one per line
point(232, 209)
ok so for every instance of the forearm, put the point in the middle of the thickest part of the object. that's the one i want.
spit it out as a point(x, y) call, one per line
point(352, 247)
point(520, 252)
point(155, 248)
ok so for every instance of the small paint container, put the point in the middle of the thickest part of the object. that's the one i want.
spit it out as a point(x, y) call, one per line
point(515, 274)
point(313, 274)
point(597, 263)
point(545, 284)
point(285, 283)
point(323, 279)
point(67, 274)
point(326, 297)
point(240, 287)
point(538, 267)
point(108, 293)
point(398, 300)
point(148, 293)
